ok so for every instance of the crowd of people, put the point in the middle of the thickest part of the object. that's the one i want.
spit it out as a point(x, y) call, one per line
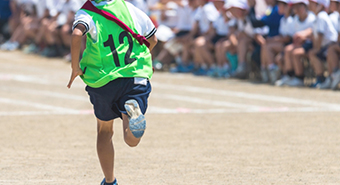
point(216, 38)
point(228, 39)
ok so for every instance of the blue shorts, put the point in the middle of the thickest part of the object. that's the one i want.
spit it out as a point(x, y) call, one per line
point(108, 101)
point(308, 45)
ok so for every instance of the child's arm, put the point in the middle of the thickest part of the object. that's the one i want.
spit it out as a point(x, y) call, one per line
point(75, 52)
point(153, 41)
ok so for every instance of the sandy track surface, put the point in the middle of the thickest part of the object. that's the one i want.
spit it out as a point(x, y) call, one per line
point(200, 131)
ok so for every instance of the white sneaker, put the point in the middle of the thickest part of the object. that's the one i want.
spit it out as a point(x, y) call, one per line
point(282, 81)
point(326, 84)
point(336, 80)
point(295, 82)
point(4, 45)
point(274, 75)
point(13, 46)
point(264, 76)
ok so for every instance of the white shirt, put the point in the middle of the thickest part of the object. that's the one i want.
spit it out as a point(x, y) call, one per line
point(335, 19)
point(286, 26)
point(307, 23)
point(206, 15)
point(186, 21)
point(65, 8)
point(142, 22)
point(324, 25)
point(221, 26)
point(246, 27)
point(52, 6)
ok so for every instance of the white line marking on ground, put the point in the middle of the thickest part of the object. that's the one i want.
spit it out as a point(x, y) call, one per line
point(244, 95)
point(204, 101)
point(36, 105)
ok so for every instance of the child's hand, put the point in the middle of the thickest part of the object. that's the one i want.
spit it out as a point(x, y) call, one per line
point(75, 73)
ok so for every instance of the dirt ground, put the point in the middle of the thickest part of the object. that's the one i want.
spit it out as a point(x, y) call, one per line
point(199, 131)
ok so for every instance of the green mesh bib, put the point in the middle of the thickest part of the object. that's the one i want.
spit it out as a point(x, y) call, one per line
point(115, 53)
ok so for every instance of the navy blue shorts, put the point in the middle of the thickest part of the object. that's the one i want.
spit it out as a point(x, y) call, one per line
point(182, 33)
point(308, 45)
point(108, 101)
point(215, 39)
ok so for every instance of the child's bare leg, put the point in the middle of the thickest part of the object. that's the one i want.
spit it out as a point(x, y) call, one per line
point(264, 61)
point(271, 50)
point(207, 55)
point(298, 65)
point(333, 58)
point(165, 56)
point(198, 58)
point(219, 53)
point(129, 138)
point(288, 62)
point(242, 49)
point(105, 148)
point(316, 63)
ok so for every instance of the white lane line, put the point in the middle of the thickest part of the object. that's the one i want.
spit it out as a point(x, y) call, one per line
point(23, 78)
point(39, 80)
point(244, 95)
point(36, 105)
point(204, 101)
point(46, 93)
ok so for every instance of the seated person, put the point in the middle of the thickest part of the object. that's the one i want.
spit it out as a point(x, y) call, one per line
point(324, 34)
point(302, 43)
point(275, 45)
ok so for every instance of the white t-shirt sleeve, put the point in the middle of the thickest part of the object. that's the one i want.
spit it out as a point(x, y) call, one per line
point(85, 19)
point(211, 12)
point(143, 23)
point(198, 14)
point(321, 24)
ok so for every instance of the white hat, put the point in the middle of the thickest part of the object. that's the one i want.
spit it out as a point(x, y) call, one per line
point(336, 0)
point(242, 4)
point(306, 2)
point(325, 3)
point(286, 1)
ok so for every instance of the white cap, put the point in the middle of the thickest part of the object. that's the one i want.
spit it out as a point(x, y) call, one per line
point(286, 1)
point(306, 2)
point(242, 4)
point(325, 3)
point(336, 0)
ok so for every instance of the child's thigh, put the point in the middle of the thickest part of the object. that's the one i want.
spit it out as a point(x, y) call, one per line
point(275, 46)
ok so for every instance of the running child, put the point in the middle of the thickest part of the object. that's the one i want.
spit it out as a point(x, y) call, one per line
point(116, 66)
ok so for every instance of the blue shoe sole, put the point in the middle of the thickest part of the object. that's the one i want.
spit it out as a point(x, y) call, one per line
point(137, 123)
point(104, 182)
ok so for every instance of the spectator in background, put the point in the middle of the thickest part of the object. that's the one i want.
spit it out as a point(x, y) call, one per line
point(324, 34)
point(272, 20)
point(246, 35)
point(29, 23)
point(333, 52)
point(165, 15)
point(334, 13)
point(302, 43)
point(49, 7)
point(205, 16)
point(180, 44)
point(5, 13)
point(275, 45)
point(225, 27)
point(58, 29)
